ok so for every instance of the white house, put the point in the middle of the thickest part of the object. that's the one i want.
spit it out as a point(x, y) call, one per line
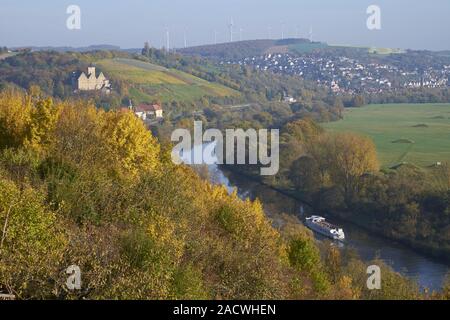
point(145, 111)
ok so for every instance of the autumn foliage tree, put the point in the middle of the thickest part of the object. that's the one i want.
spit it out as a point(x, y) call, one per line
point(82, 186)
point(93, 188)
point(350, 157)
point(340, 160)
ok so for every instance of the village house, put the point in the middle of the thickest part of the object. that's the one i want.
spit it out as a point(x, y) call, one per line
point(146, 111)
point(91, 82)
point(289, 99)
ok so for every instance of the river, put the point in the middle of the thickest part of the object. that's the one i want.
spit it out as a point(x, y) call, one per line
point(427, 271)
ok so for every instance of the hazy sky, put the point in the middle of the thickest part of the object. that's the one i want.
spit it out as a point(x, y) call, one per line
point(415, 24)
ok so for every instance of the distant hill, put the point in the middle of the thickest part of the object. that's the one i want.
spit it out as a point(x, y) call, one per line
point(55, 73)
point(100, 47)
point(249, 48)
point(244, 49)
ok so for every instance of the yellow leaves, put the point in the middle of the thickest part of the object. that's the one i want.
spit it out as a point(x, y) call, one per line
point(44, 116)
point(15, 119)
point(355, 154)
point(345, 290)
point(243, 220)
point(26, 120)
point(301, 130)
point(116, 141)
point(343, 159)
point(80, 133)
point(129, 143)
point(219, 192)
point(24, 218)
point(31, 245)
point(151, 229)
point(352, 156)
point(163, 230)
point(304, 256)
point(446, 288)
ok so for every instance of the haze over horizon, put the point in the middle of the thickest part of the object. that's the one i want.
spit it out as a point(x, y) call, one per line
point(405, 24)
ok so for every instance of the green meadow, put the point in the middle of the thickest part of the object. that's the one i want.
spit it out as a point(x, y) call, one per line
point(307, 47)
point(418, 134)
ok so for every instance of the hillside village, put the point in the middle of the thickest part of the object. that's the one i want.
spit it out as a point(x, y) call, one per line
point(347, 75)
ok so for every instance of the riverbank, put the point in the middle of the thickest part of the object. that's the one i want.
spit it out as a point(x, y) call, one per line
point(441, 256)
point(427, 271)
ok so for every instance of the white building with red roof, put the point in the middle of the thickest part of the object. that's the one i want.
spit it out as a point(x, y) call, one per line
point(146, 111)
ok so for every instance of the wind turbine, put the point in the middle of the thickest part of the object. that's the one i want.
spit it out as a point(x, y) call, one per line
point(282, 31)
point(240, 34)
point(311, 34)
point(269, 32)
point(168, 39)
point(215, 36)
point(231, 25)
point(185, 41)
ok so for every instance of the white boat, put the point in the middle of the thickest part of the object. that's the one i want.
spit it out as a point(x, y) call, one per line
point(318, 224)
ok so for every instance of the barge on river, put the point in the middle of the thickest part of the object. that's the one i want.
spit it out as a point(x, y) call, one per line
point(320, 225)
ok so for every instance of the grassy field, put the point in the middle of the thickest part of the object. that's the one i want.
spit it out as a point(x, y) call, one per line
point(385, 51)
point(414, 133)
point(7, 55)
point(155, 82)
point(302, 48)
point(372, 50)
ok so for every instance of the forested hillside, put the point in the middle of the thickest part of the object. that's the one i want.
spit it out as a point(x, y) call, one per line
point(53, 72)
point(81, 186)
point(56, 73)
point(181, 83)
point(249, 48)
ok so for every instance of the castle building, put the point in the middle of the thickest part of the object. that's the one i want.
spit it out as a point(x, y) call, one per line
point(91, 82)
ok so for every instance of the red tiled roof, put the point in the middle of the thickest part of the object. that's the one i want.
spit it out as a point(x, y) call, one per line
point(147, 108)
point(143, 108)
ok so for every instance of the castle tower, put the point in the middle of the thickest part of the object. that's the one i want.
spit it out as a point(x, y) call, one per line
point(91, 70)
